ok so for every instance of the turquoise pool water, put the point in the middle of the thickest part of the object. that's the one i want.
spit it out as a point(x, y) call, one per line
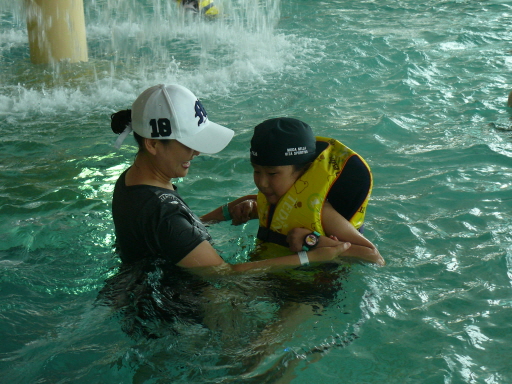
point(418, 88)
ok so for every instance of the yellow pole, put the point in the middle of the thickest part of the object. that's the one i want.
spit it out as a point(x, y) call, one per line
point(56, 31)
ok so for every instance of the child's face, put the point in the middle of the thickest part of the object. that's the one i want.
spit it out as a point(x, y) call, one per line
point(274, 182)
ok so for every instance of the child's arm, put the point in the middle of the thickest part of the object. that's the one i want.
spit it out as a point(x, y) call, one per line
point(244, 211)
point(337, 226)
point(241, 210)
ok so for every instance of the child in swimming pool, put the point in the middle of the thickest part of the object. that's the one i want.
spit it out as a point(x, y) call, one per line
point(313, 192)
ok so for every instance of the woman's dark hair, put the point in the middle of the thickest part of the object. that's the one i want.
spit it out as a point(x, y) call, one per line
point(120, 120)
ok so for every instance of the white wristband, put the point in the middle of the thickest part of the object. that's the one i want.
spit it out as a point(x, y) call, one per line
point(303, 257)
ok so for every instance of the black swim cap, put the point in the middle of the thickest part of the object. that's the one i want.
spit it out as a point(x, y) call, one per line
point(282, 141)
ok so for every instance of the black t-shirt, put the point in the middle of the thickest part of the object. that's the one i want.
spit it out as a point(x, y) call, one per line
point(154, 222)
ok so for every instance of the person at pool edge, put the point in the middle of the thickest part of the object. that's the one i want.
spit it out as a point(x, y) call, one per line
point(312, 192)
point(151, 220)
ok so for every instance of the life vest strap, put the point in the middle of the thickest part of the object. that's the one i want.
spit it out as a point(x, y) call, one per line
point(269, 236)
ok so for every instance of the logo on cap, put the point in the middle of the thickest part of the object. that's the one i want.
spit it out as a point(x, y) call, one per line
point(200, 112)
point(160, 128)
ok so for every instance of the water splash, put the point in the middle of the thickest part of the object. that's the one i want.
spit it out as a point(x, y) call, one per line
point(136, 44)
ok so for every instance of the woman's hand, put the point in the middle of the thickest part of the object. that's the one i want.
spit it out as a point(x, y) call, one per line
point(329, 253)
point(243, 212)
point(296, 236)
point(295, 239)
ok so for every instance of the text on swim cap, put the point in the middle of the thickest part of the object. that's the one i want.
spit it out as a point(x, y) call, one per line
point(296, 151)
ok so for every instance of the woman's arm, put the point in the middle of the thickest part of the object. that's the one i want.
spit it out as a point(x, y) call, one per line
point(204, 255)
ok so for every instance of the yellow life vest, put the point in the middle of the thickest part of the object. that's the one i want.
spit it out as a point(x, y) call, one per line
point(302, 205)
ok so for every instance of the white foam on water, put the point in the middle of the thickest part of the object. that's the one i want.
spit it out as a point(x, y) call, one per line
point(136, 46)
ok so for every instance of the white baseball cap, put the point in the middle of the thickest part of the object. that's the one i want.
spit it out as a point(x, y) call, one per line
point(165, 112)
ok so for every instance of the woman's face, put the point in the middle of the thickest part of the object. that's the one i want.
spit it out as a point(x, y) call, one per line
point(274, 182)
point(173, 158)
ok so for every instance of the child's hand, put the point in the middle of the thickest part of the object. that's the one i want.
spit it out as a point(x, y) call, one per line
point(243, 212)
